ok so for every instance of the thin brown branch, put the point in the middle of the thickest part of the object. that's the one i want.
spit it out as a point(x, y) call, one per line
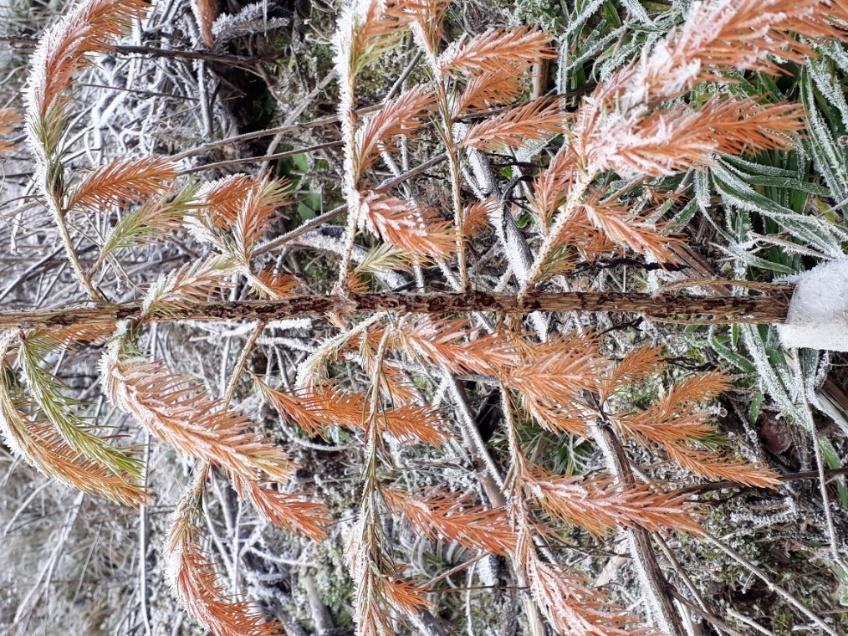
point(152, 51)
point(765, 309)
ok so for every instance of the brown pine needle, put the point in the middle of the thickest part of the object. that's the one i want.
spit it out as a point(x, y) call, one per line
point(401, 116)
point(516, 127)
point(195, 581)
point(122, 181)
point(409, 227)
point(177, 411)
point(289, 512)
point(598, 505)
point(497, 50)
point(443, 515)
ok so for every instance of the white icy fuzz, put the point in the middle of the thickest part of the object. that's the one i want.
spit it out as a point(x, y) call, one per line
point(818, 311)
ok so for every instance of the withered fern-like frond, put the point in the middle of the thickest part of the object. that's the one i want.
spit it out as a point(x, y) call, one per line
point(488, 90)
point(404, 595)
point(550, 185)
point(497, 50)
point(122, 181)
point(598, 505)
point(195, 581)
point(322, 407)
point(277, 285)
point(572, 607)
point(252, 221)
point(365, 29)
point(307, 409)
point(403, 115)
point(192, 283)
point(552, 417)
point(475, 217)
point(710, 466)
point(628, 230)
point(156, 216)
point(555, 373)
point(443, 515)
point(720, 36)
point(223, 198)
point(425, 17)
point(233, 213)
point(676, 138)
point(177, 411)
point(408, 227)
point(49, 338)
point(635, 366)
point(564, 598)
point(443, 343)
point(677, 419)
point(533, 121)
point(40, 445)
point(90, 27)
point(289, 512)
point(744, 35)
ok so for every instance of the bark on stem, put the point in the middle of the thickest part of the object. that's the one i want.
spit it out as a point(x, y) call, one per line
point(768, 308)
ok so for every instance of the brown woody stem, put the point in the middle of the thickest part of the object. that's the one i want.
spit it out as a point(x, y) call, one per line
point(768, 308)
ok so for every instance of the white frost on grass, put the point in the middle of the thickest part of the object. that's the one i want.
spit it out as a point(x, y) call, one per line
point(818, 311)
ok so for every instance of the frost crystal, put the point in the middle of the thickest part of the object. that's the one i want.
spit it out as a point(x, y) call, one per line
point(250, 19)
point(818, 312)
